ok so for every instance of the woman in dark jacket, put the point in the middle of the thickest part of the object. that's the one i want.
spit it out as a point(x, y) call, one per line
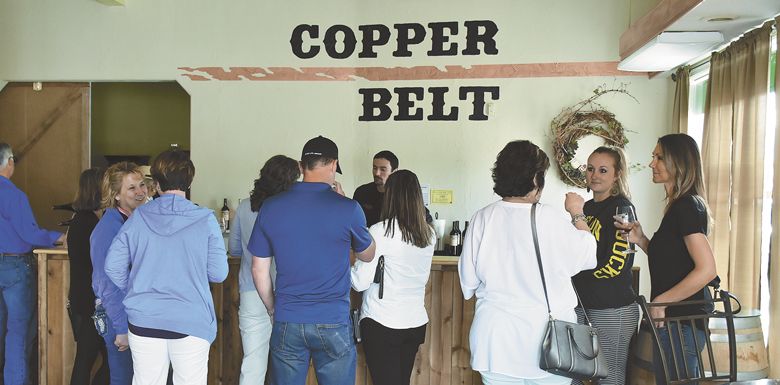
point(81, 299)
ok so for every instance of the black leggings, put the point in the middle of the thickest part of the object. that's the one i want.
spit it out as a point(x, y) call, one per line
point(390, 352)
point(88, 345)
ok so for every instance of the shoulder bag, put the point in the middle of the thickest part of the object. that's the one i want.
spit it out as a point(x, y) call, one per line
point(568, 349)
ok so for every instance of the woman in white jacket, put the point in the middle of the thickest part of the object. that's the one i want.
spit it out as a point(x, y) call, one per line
point(393, 316)
point(499, 266)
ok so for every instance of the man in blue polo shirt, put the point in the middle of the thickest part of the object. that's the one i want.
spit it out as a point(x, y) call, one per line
point(19, 233)
point(309, 230)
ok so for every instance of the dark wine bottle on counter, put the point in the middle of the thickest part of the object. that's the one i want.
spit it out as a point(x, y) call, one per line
point(455, 241)
point(463, 237)
point(225, 218)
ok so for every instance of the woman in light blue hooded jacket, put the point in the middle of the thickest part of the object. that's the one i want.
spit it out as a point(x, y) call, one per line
point(164, 258)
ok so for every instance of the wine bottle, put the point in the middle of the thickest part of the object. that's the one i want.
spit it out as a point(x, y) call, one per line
point(465, 228)
point(455, 245)
point(225, 219)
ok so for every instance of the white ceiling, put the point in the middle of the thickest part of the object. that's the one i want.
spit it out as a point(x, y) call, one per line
point(747, 15)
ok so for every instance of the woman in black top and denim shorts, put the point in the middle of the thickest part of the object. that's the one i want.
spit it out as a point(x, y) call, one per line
point(679, 254)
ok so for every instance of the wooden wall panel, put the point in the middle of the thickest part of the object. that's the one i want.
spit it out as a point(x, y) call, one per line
point(48, 172)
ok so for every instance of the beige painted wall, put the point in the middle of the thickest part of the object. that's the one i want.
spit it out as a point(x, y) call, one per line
point(237, 125)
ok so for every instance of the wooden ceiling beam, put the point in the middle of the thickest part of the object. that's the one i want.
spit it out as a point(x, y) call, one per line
point(653, 23)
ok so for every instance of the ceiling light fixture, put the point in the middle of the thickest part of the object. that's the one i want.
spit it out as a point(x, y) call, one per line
point(719, 19)
point(670, 49)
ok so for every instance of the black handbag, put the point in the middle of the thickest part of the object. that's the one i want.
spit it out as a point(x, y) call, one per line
point(568, 349)
point(354, 317)
point(379, 275)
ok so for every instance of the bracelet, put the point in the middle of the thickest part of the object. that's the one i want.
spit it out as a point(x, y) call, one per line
point(577, 217)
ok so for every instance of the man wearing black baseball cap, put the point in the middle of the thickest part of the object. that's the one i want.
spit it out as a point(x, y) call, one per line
point(321, 148)
point(309, 230)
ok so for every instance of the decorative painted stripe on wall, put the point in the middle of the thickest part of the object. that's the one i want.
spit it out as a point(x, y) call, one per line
point(480, 71)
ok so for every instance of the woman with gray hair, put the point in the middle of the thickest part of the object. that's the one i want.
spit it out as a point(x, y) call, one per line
point(499, 265)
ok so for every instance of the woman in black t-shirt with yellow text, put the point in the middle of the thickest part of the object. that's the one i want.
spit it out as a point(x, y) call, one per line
point(679, 254)
point(605, 291)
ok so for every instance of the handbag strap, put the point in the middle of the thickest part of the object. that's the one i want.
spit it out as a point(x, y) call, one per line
point(541, 269)
point(539, 256)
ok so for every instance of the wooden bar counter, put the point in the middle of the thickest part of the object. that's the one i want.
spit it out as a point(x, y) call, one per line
point(442, 359)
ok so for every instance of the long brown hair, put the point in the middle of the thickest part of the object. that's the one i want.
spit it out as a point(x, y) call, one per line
point(683, 162)
point(403, 203)
point(88, 197)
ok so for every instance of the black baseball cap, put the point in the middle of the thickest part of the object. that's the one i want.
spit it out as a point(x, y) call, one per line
point(321, 147)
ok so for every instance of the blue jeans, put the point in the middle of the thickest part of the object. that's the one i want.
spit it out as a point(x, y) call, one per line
point(330, 346)
point(120, 364)
point(691, 352)
point(18, 292)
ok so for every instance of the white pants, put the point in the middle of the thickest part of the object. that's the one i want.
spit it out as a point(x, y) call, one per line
point(255, 326)
point(189, 357)
point(490, 378)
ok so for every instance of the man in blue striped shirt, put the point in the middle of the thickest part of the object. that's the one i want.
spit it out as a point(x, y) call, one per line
point(19, 233)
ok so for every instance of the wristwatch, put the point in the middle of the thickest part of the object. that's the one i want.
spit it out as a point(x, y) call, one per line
point(577, 217)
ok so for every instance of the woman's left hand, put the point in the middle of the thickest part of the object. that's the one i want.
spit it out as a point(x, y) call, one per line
point(658, 312)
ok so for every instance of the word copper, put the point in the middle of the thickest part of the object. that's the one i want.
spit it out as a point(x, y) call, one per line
point(341, 42)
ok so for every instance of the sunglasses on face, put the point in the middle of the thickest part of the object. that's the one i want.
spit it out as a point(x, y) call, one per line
point(15, 158)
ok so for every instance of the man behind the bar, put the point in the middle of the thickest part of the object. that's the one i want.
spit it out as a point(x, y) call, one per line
point(19, 234)
point(309, 230)
point(370, 194)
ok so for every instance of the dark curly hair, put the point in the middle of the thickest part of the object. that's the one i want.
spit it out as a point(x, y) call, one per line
point(517, 166)
point(277, 175)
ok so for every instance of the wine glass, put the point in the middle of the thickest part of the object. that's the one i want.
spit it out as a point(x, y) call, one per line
point(626, 214)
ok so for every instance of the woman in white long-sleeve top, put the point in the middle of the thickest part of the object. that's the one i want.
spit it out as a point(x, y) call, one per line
point(393, 317)
point(499, 266)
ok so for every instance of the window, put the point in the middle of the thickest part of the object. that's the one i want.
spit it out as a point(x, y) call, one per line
point(697, 97)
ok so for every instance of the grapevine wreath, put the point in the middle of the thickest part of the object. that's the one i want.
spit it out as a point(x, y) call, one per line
point(582, 119)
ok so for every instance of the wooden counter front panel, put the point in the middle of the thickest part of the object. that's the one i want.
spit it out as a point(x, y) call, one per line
point(56, 346)
point(444, 357)
point(442, 360)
